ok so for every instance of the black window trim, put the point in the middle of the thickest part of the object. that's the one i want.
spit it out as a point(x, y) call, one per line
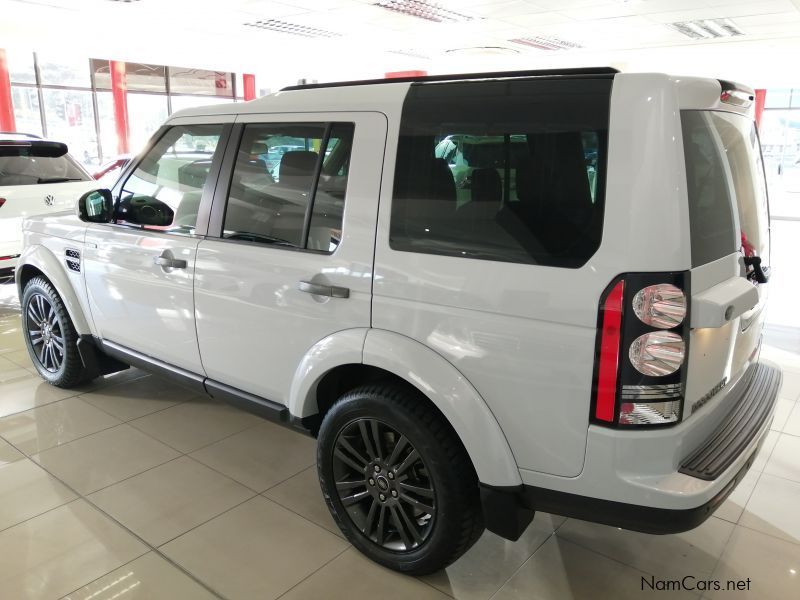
point(224, 180)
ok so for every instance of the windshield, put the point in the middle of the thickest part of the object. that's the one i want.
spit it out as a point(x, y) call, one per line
point(32, 170)
point(724, 170)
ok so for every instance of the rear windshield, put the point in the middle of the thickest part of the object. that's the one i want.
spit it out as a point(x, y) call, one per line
point(724, 173)
point(508, 171)
point(31, 170)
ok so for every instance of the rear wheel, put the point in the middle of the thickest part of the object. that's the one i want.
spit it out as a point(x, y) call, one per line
point(50, 335)
point(397, 479)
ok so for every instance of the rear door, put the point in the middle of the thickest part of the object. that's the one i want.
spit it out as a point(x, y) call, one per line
point(289, 256)
point(729, 221)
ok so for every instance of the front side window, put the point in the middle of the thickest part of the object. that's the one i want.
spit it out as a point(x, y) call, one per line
point(165, 190)
point(509, 171)
point(288, 185)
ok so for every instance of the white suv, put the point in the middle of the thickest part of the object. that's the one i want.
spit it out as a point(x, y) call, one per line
point(586, 345)
point(36, 177)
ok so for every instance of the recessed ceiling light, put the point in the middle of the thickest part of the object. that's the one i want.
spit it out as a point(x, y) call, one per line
point(706, 29)
point(484, 51)
point(410, 52)
point(124, 1)
point(430, 11)
point(292, 28)
point(544, 42)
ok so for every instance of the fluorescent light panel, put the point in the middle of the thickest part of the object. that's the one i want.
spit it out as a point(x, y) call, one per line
point(707, 29)
point(542, 42)
point(292, 28)
point(430, 11)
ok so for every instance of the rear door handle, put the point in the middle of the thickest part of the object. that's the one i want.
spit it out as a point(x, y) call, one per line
point(323, 290)
point(167, 262)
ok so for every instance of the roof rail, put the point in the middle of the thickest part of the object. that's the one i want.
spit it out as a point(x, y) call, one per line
point(460, 77)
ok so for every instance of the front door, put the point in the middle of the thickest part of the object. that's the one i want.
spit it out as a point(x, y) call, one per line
point(291, 262)
point(140, 269)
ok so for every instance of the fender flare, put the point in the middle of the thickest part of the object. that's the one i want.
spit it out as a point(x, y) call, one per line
point(45, 261)
point(340, 348)
point(454, 396)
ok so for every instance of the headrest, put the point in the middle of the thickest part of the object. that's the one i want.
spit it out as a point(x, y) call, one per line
point(487, 186)
point(298, 163)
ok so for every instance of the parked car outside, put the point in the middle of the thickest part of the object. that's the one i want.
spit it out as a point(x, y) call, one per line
point(36, 177)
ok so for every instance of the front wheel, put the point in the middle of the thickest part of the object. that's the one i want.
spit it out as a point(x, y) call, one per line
point(50, 335)
point(397, 479)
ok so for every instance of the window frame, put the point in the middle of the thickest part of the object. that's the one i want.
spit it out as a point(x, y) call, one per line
point(220, 199)
point(201, 227)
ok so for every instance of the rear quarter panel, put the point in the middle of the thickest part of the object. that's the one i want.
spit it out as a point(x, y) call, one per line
point(524, 335)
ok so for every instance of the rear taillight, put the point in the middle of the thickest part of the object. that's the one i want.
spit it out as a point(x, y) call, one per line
point(2, 201)
point(642, 345)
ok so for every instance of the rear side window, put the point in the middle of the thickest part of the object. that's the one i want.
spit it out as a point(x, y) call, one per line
point(724, 173)
point(24, 169)
point(509, 171)
point(288, 185)
point(710, 206)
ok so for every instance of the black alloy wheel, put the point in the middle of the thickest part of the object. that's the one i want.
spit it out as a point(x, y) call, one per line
point(50, 336)
point(45, 332)
point(384, 484)
point(397, 479)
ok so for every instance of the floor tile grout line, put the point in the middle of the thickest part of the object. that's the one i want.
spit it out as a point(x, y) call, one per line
point(315, 571)
point(535, 550)
point(131, 532)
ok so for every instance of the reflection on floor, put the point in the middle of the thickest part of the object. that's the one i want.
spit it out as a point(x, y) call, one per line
point(133, 488)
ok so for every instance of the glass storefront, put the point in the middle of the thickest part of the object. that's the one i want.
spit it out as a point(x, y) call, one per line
point(57, 97)
point(780, 144)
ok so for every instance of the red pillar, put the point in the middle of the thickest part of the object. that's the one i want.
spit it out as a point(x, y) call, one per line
point(7, 121)
point(119, 90)
point(398, 74)
point(249, 85)
point(761, 98)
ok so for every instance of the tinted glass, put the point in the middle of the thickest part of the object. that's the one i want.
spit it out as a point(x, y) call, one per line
point(709, 189)
point(32, 170)
point(165, 190)
point(325, 232)
point(510, 171)
point(274, 180)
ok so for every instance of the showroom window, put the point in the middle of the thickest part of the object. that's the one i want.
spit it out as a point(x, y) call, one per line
point(288, 185)
point(69, 100)
point(508, 171)
point(165, 190)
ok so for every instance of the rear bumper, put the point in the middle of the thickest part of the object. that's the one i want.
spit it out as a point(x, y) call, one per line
point(646, 501)
point(7, 265)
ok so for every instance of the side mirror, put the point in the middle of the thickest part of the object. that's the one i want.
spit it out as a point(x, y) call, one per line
point(96, 206)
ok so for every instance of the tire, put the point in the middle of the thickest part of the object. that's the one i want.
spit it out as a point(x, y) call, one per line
point(436, 488)
point(53, 348)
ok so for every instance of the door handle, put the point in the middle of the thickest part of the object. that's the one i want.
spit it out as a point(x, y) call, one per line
point(167, 262)
point(323, 290)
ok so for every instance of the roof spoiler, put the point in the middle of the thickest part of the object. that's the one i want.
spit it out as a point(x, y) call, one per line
point(736, 93)
point(579, 72)
point(38, 148)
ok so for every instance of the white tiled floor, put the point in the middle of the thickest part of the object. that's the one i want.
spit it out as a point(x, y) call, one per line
point(134, 488)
